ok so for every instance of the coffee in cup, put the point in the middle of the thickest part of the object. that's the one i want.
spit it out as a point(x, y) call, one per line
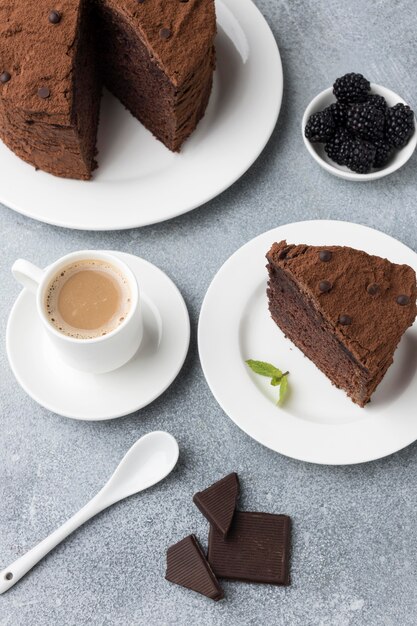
point(88, 298)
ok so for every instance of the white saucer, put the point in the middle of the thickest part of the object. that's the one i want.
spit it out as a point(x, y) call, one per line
point(318, 423)
point(137, 174)
point(68, 392)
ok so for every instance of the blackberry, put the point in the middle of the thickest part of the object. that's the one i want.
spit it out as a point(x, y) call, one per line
point(383, 152)
point(399, 125)
point(365, 121)
point(339, 112)
point(339, 147)
point(378, 102)
point(320, 126)
point(351, 88)
point(361, 156)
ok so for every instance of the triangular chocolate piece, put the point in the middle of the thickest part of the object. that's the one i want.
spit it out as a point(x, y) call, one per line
point(218, 502)
point(345, 309)
point(187, 566)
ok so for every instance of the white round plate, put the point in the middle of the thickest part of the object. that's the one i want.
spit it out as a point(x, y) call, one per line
point(139, 181)
point(318, 423)
point(71, 393)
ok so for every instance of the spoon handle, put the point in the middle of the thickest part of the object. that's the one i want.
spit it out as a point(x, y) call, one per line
point(12, 574)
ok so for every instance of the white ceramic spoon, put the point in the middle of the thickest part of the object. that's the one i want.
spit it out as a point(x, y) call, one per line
point(147, 462)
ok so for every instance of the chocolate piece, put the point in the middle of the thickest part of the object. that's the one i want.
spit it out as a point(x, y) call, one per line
point(325, 286)
point(403, 300)
point(54, 17)
point(164, 83)
point(187, 566)
point(43, 92)
point(5, 77)
point(345, 320)
point(325, 255)
point(257, 549)
point(373, 289)
point(218, 502)
point(355, 357)
point(165, 33)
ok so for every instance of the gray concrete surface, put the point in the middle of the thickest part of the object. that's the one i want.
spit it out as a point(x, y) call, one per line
point(355, 528)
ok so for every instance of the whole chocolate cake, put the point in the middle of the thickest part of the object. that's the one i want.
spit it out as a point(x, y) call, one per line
point(156, 56)
point(345, 309)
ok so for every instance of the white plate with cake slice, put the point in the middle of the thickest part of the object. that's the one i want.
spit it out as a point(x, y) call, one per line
point(317, 422)
point(141, 182)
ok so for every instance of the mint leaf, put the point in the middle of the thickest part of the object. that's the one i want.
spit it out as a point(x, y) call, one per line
point(264, 369)
point(283, 390)
point(270, 371)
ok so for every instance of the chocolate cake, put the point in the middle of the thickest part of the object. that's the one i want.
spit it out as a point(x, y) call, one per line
point(156, 56)
point(345, 309)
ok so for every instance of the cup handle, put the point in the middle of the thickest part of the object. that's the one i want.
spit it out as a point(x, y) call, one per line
point(27, 274)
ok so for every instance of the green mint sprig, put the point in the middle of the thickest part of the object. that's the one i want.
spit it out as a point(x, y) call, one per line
point(278, 379)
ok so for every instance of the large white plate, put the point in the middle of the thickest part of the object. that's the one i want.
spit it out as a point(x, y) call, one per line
point(139, 181)
point(318, 423)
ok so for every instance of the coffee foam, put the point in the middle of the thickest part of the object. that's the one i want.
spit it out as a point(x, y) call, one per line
point(54, 289)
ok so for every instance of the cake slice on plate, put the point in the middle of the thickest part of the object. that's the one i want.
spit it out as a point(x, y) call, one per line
point(345, 309)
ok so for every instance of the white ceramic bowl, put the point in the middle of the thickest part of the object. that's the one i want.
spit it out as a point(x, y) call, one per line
point(399, 157)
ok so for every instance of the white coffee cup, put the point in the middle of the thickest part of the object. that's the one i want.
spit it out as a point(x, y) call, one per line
point(99, 354)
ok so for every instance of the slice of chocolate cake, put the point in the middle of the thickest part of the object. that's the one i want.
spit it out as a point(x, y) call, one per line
point(156, 56)
point(345, 309)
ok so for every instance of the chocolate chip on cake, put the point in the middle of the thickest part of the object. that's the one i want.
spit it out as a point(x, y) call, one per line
point(43, 92)
point(373, 289)
point(5, 77)
point(165, 33)
point(345, 320)
point(403, 300)
point(325, 286)
point(54, 17)
point(325, 255)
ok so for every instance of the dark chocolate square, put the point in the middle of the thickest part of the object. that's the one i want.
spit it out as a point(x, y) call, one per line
point(257, 549)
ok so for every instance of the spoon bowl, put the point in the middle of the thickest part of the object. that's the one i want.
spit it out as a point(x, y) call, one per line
point(147, 462)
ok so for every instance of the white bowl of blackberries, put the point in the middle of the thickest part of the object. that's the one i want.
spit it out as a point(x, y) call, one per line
point(358, 130)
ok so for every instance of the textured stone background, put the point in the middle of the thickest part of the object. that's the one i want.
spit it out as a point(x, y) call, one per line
point(355, 528)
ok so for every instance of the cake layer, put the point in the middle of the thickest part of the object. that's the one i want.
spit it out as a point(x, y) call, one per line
point(346, 310)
